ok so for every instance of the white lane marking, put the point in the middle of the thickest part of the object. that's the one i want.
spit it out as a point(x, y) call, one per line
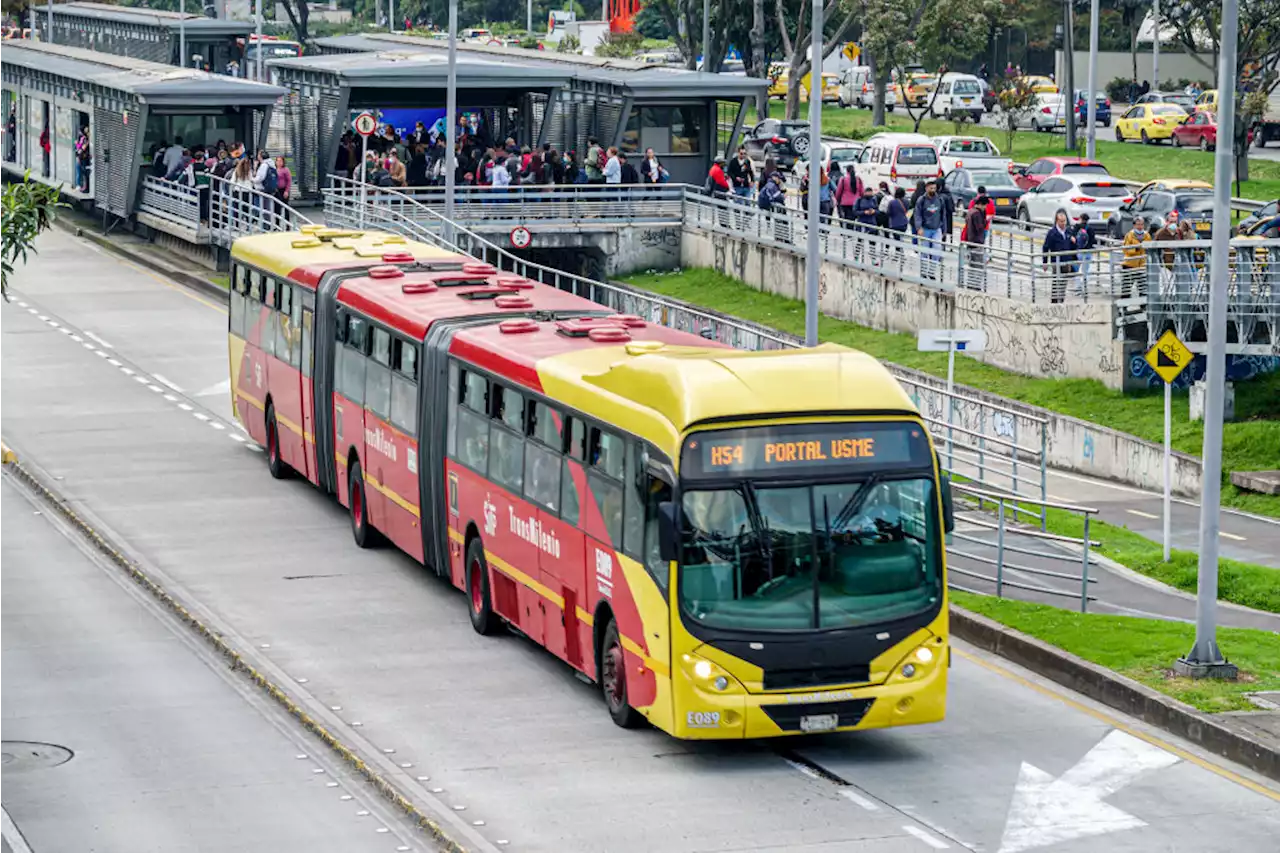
point(803, 768)
point(127, 371)
point(53, 324)
point(9, 831)
point(32, 311)
point(256, 449)
point(64, 330)
point(155, 388)
point(100, 353)
point(76, 338)
point(201, 416)
point(935, 843)
point(172, 387)
point(113, 362)
point(855, 797)
point(21, 304)
point(1139, 512)
point(1046, 811)
point(184, 407)
point(235, 436)
point(222, 387)
point(1232, 536)
point(171, 398)
point(216, 425)
point(91, 336)
point(141, 380)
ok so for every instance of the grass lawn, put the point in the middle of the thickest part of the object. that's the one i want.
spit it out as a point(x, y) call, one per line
point(1144, 649)
point(1131, 161)
point(1251, 443)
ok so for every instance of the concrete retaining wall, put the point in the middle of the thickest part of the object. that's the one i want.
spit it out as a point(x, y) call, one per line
point(1071, 444)
point(1065, 340)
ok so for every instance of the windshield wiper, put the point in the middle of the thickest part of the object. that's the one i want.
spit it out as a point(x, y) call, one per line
point(855, 502)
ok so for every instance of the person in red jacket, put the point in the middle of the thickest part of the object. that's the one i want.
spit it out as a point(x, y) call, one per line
point(717, 181)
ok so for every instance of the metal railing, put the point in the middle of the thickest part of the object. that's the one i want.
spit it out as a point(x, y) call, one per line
point(534, 205)
point(1041, 563)
point(217, 211)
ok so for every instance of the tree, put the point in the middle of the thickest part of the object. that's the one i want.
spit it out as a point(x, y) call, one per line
point(569, 44)
point(758, 67)
point(1017, 101)
point(840, 14)
point(299, 13)
point(888, 28)
point(1132, 14)
point(620, 45)
point(28, 208)
point(955, 31)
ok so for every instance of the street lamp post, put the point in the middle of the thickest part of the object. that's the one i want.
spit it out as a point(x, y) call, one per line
point(1068, 72)
point(1205, 659)
point(706, 35)
point(1092, 131)
point(450, 121)
point(1155, 45)
point(812, 256)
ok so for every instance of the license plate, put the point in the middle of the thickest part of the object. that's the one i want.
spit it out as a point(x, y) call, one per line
point(1106, 214)
point(1001, 201)
point(1202, 226)
point(967, 100)
point(819, 722)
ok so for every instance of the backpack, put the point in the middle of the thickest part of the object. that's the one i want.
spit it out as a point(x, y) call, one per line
point(976, 224)
point(602, 158)
point(271, 182)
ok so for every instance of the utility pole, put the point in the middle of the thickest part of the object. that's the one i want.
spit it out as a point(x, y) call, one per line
point(706, 35)
point(1155, 46)
point(528, 17)
point(257, 15)
point(450, 122)
point(1205, 659)
point(1092, 129)
point(813, 257)
point(391, 16)
point(182, 33)
point(1068, 72)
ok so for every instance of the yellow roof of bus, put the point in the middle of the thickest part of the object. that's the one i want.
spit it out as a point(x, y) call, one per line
point(283, 252)
point(659, 391)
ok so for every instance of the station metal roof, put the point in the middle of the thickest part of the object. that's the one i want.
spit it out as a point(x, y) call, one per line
point(641, 79)
point(153, 18)
point(415, 68)
point(152, 82)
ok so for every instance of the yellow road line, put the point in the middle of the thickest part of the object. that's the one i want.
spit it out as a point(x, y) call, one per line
point(1104, 717)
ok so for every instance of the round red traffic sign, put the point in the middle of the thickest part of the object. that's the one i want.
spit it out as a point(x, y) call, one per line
point(366, 124)
point(521, 237)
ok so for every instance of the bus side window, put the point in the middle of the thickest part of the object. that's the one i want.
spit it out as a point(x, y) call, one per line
point(455, 397)
point(283, 318)
point(605, 452)
point(353, 359)
point(569, 502)
point(655, 493)
point(267, 338)
point(633, 506)
point(473, 422)
point(253, 308)
point(542, 458)
point(576, 439)
point(377, 388)
point(404, 386)
point(506, 456)
point(236, 300)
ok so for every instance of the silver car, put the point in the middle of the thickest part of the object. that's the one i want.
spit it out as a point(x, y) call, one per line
point(1097, 195)
point(1050, 113)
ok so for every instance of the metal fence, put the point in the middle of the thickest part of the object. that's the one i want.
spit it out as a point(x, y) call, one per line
point(216, 212)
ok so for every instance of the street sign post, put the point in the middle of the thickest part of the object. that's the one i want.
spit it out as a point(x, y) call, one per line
point(365, 124)
point(951, 341)
point(521, 237)
point(1168, 357)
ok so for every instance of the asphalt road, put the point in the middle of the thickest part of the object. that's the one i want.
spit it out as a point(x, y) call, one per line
point(139, 433)
point(160, 750)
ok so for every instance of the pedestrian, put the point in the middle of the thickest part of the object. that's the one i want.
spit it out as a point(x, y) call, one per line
point(179, 171)
point(532, 171)
point(1135, 258)
point(975, 238)
point(396, 170)
point(1059, 255)
point(613, 167)
point(573, 173)
point(651, 171)
point(549, 171)
point(415, 174)
point(1085, 244)
point(174, 155)
point(988, 206)
point(771, 195)
point(948, 211)
point(84, 159)
point(1168, 232)
point(595, 162)
point(896, 213)
point(767, 172)
point(826, 194)
point(501, 174)
point(847, 195)
point(927, 218)
point(865, 210)
point(740, 174)
point(630, 175)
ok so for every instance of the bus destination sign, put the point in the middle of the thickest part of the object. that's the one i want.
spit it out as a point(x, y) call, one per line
point(806, 447)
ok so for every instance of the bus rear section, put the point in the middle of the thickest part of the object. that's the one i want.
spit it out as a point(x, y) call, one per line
point(810, 584)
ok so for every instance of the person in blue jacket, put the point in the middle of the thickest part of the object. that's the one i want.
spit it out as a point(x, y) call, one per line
point(1059, 250)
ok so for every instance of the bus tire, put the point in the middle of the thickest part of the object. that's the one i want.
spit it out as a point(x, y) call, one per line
point(361, 531)
point(479, 605)
point(275, 463)
point(613, 679)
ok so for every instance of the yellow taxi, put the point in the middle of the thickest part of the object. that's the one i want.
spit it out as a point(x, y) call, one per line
point(1149, 122)
point(1208, 101)
point(918, 89)
point(830, 87)
point(1174, 185)
point(1036, 83)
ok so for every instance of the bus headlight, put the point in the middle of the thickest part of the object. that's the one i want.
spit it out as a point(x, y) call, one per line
point(908, 669)
point(707, 675)
point(924, 654)
point(721, 683)
point(702, 669)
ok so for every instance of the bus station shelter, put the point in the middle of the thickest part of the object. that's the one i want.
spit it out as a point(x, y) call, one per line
point(150, 34)
point(51, 92)
point(687, 117)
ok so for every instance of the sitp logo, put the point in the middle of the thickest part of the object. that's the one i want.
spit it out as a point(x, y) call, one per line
point(490, 517)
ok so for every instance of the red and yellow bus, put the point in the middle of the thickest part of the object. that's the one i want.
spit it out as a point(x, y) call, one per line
point(731, 544)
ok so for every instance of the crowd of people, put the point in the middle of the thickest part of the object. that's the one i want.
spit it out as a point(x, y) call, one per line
point(260, 178)
point(418, 160)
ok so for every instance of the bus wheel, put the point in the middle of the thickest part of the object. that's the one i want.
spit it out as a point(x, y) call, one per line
point(365, 536)
point(276, 465)
point(613, 679)
point(478, 604)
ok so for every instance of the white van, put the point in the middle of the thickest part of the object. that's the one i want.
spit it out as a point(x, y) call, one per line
point(899, 160)
point(857, 89)
point(959, 96)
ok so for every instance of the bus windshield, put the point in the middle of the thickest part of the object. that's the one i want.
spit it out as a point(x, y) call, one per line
point(861, 547)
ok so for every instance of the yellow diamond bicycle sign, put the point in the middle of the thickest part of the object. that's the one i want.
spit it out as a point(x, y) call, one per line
point(1169, 357)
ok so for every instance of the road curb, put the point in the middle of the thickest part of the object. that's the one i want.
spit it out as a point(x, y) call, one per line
point(1116, 691)
point(202, 285)
point(426, 823)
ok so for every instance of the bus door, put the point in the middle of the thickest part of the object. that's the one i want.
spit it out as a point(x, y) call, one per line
point(549, 485)
point(285, 381)
point(308, 308)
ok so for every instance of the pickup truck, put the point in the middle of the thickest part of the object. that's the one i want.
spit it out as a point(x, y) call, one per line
point(970, 152)
point(1267, 128)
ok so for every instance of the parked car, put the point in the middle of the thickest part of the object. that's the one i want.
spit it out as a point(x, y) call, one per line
point(1101, 110)
point(1200, 130)
point(785, 141)
point(989, 97)
point(1173, 185)
point(1182, 99)
point(845, 154)
point(1149, 122)
point(857, 89)
point(959, 96)
point(1095, 195)
point(1208, 100)
point(918, 88)
point(1266, 212)
point(801, 166)
point(898, 159)
point(1038, 84)
point(1154, 205)
point(1050, 113)
point(963, 184)
point(970, 152)
point(1041, 170)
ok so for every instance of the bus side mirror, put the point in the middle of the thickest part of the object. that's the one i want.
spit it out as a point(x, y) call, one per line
point(948, 506)
point(667, 531)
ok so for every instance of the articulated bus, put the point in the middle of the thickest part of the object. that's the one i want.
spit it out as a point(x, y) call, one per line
point(730, 544)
